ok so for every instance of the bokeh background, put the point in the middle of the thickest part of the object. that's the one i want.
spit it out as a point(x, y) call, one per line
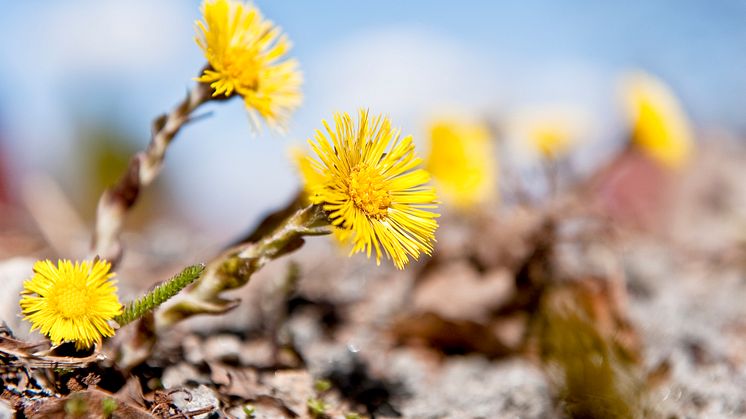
point(80, 82)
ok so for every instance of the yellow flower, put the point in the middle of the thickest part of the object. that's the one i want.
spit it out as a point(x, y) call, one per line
point(245, 53)
point(71, 302)
point(462, 161)
point(551, 138)
point(312, 178)
point(371, 184)
point(659, 126)
point(305, 169)
point(551, 131)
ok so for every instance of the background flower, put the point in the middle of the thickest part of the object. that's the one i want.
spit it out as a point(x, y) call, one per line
point(659, 126)
point(462, 161)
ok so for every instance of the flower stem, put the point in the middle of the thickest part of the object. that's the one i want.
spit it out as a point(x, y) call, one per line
point(160, 294)
point(143, 168)
point(234, 268)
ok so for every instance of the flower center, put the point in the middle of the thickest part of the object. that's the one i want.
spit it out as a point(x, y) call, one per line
point(240, 67)
point(70, 300)
point(367, 190)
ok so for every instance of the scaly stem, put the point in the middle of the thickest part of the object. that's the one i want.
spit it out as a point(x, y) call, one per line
point(234, 268)
point(159, 295)
point(143, 168)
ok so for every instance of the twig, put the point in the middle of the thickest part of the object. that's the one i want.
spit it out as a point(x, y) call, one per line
point(143, 168)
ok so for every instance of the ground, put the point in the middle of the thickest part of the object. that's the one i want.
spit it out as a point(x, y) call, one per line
point(553, 309)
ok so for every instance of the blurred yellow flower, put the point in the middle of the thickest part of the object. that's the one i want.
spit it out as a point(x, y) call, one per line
point(245, 53)
point(372, 185)
point(71, 303)
point(551, 138)
point(305, 169)
point(551, 131)
point(659, 126)
point(462, 161)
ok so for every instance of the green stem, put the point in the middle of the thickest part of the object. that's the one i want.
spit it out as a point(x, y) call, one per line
point(234, 268)
point(159, 295)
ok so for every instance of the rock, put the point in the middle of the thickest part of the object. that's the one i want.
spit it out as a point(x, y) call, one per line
point(12, 274)
point(193, 349)
point(226, 348)
point(6, 412)
point(294, 388)
point(180, 375)
point(196, 399)
point(511, 330)
point(257, 353)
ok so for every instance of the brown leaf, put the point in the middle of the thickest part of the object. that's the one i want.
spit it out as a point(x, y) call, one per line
point(91, 402)
point(450, 336)
point(457, 291)
point(236, 381)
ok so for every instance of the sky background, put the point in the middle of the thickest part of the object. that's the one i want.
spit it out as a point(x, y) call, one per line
point(67, 66)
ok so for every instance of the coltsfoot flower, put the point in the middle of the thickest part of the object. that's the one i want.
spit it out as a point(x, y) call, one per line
point(71, 302)
point(659, 126)
point(373, 187)
point(552, 138)
point(246, 56)
point(462, 161)
point(549, 132)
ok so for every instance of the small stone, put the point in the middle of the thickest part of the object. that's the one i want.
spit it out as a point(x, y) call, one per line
point(511, 330)
point(225, 348)
point(180, 375)
point(197, 398)
point(12, 274)
point(257, 353)
point(294, 387)
point(6, 412)
point(193, 353)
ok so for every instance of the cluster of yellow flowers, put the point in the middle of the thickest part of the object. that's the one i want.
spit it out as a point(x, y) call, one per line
point(367, 179)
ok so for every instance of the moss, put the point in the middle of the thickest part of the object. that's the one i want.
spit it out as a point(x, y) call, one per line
point(108, 406)
point(316, 408)
point(76, 406)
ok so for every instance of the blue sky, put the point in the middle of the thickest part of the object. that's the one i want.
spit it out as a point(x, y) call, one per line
point(128, 61)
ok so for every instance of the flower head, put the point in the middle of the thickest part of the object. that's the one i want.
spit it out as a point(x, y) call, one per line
point(371, 184)
point(71, 302)
point(462, 161)
point(245, 53)
point(549, 131)
point(660, 128)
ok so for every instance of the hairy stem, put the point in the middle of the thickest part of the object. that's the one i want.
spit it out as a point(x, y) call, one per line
point(159, 295)
point(234, 268)
point(143, 168)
